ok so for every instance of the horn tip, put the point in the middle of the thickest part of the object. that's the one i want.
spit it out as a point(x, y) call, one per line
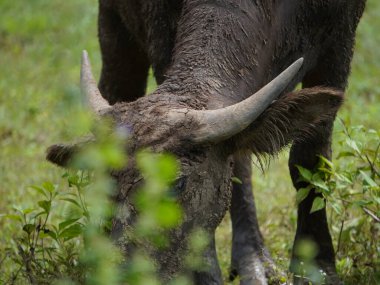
point(299, 61)
point(85, 57)
point(296, 65)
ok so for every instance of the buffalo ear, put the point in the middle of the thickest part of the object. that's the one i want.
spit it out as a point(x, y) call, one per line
point(296, 116)
point(64, 154)
point(61, 154)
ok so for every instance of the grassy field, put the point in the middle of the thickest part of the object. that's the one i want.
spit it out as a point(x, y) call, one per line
point(40, 104)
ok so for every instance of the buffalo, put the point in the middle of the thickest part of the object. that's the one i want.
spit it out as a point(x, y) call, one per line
point(226, 71)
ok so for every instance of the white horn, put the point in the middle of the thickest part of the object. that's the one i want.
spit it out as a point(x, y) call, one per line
point(221, 124)
point(90, 89)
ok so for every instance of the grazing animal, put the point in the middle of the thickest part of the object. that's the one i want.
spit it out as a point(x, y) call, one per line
point(210, 59)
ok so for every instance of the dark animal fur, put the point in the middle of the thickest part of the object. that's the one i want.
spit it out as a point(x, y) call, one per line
point(207, 54)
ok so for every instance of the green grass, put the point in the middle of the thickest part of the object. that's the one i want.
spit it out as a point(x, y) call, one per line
point(40, 104)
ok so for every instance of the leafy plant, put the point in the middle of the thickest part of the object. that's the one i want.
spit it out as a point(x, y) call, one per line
point(46, 250)
point(351, 189)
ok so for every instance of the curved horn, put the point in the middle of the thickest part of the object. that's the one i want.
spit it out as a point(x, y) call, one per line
point(221, 124)
point(90, 89)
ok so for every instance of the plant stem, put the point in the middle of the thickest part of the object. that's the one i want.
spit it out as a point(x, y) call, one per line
point(371, 214)
point(340, 237)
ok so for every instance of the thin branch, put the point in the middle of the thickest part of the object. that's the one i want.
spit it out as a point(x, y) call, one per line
point(2, 260)
point(12, 279)
point(373, 168)
point(340, 237)
point(376, 153)
point(366, 210)
point(27, 263)
point(371, 214)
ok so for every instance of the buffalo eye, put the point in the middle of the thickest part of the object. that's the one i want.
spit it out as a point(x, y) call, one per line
point(179, 186)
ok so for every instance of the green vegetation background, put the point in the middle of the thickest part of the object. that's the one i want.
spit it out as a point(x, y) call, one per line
point(40, 104)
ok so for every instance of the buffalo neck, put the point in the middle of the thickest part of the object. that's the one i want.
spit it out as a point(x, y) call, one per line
point(224, 51)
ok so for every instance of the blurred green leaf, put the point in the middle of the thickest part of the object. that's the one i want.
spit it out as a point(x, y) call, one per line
point(306, 174)
point(66, 223)
point(368, 179)
point(160, 167)
point(45, 204)
point(318, 204)
point(39, 190)
point(306, 249)
point(317, 181)
point(362, 203)
point(325, 161)
point(236, 180)
point(337, 208)
point(168, 214)
point(302, 193)
point(73, 180)
point(48, 186)
point(51, 234)
point(71, 232)
point(345, 154)
point(72, 201)
point(28, 211)
point(352, 144)
point(29, 228)
point(13, 217)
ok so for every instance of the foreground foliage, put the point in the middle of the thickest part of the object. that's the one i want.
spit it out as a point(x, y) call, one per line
point(62, 239)
point(351, 188)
